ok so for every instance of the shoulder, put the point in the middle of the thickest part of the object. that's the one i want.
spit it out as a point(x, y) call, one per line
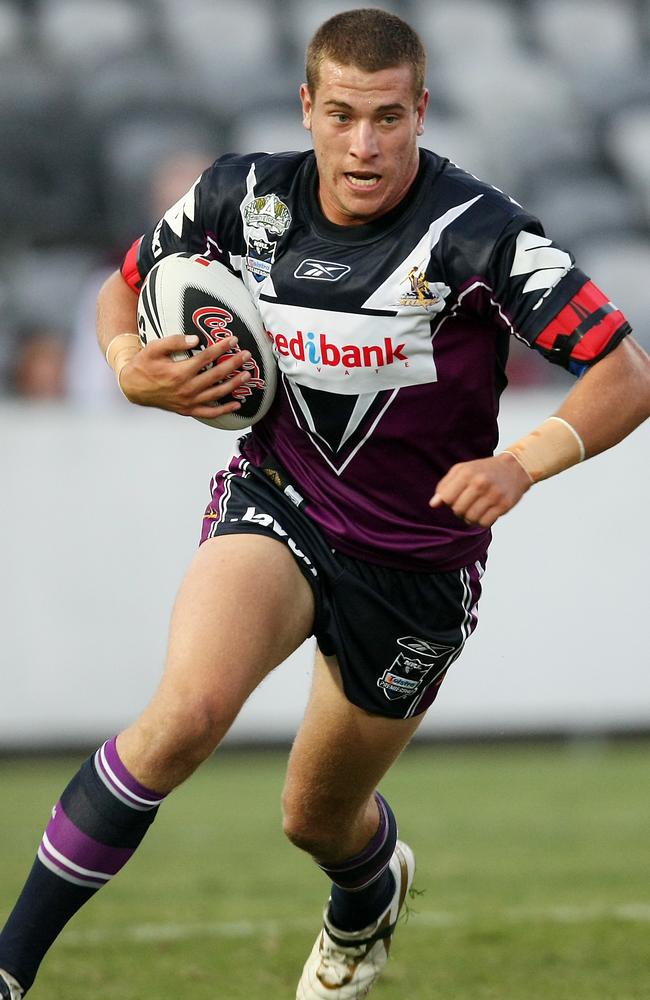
point(479, 218)
point(460, 185)
point(258, 168)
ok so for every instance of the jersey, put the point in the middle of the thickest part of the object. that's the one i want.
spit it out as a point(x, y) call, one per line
point(391, 337)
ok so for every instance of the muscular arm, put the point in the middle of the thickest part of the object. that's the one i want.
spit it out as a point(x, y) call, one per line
point(611, 399)
point(151, 377)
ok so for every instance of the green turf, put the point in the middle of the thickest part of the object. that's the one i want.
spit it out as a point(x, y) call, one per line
point(532, 868)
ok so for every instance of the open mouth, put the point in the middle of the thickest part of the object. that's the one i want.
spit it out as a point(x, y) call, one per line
point(363, 180)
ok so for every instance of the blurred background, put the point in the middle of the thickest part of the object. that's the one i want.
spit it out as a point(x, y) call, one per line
point(109, 109)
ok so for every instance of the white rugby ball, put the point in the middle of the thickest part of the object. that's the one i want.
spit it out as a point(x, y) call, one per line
point(189, 294)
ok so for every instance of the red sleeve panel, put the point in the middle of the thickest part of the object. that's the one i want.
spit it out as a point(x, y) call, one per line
point(584, 330)
point(130, 271)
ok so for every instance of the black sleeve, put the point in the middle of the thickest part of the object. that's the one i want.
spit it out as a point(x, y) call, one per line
point(548, 302)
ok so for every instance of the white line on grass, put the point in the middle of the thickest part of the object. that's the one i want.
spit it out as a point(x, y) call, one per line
point(154, 933)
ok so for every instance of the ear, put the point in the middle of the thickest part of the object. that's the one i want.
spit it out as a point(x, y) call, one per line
point(421, 108)
point(307, 106)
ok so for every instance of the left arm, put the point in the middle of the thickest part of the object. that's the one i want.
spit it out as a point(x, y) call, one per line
point(608, 403)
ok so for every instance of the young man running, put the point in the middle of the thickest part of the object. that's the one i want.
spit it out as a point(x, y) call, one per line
point(390, 282)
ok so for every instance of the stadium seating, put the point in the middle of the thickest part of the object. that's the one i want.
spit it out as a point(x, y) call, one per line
point(628, 145)
point(471, 27)
point(580, 205)
point(81, 34)
point(231, 51)
point(271, 129)
point(12, 29)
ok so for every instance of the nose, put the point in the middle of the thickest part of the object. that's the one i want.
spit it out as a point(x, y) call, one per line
point(364, 144)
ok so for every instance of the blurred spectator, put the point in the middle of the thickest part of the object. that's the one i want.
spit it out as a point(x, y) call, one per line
point(42, 286)
point(87, 378)
point(39, 364)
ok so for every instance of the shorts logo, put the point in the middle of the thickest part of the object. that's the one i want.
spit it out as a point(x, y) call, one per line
point(415, 661)
point(321, 270)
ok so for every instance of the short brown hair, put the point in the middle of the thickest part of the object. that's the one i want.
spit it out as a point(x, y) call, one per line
point(370, 39)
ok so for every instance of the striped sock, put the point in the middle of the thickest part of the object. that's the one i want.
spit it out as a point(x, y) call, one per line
point(362, 886)
point(95, 827)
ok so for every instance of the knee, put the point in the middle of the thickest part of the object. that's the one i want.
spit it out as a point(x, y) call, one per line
point(314, 828)
point(173, 742)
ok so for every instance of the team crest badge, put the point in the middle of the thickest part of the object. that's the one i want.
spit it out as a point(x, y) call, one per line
point(268, 212)
point(427, 295)
point(267, 219)
point(416, 661)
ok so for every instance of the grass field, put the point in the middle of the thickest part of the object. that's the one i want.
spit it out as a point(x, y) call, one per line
point(533, 872)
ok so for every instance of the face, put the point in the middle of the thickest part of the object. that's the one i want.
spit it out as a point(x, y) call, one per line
point(364, 129)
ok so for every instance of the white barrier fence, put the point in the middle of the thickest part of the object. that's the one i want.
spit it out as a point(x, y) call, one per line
point(99, 517)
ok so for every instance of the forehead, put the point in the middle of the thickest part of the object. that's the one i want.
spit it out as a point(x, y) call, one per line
point(354, 86)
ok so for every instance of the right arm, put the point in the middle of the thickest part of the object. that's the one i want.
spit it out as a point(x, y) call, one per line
point(149, 375)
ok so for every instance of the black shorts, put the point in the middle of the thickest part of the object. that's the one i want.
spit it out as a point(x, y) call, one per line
point(394, 633)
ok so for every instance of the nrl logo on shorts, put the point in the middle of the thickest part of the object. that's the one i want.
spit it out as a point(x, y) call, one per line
point(415, 661)
point(268, 212)
point(427, 295)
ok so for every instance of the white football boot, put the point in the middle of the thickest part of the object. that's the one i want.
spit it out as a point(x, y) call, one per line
point(9, 988)
point(344, 965)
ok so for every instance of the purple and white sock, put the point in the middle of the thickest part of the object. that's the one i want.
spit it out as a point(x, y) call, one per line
point(365, 868)
point(95, 828)
point(89, 847)
point(362, 886)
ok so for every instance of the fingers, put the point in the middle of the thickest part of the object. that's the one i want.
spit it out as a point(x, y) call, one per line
point(178, 344)
point(218, 390)
point(224, 369)
point(224, 351)
point(198, 386)
point(172, 345)
point(479, 492)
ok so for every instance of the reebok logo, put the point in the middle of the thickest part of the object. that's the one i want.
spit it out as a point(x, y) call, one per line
point(319, 351)
point(320, 270)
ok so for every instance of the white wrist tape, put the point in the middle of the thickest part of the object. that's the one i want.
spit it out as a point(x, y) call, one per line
point(120, 351)
point(551, 448)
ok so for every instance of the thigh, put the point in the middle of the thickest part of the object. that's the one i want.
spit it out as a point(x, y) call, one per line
point(341, 752)
point(243, 607)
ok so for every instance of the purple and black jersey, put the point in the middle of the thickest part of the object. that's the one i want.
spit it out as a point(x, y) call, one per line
point(391, 337)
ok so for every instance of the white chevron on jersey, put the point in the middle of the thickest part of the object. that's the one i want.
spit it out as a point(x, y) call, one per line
point(237, 261)
point(350, 353)
point(175, 218)
point(388, 295)
point(536, 256)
